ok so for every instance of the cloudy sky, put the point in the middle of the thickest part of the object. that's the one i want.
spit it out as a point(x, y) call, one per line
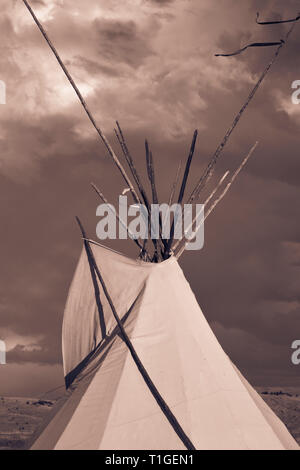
point(150, 64)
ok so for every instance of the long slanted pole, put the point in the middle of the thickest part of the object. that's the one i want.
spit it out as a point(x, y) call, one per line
point(182, 191)
point(151, 177)
point(103, 199)
point(157, 396)
point(222, 195)
point(150, 172)
point(207, 173)
point(172, 192)
point(215, 190)
point(174, 185)
point(130, 162)
point(84, 104)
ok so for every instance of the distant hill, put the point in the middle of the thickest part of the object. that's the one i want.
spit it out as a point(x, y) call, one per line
point(286, 404)
point(20, 417)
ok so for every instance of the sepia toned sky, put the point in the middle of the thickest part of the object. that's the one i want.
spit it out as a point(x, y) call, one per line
point(151, 65)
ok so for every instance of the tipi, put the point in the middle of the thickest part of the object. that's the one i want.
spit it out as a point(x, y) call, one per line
point(142, 367)
point(110, 403)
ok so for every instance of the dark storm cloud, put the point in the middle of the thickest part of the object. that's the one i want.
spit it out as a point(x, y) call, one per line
point(95, 68)
point(161, 2)
point(41, 353)
point(121, 41)
point(38, 2)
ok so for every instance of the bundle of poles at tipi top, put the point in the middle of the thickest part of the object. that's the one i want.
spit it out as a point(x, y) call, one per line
point(162, 248)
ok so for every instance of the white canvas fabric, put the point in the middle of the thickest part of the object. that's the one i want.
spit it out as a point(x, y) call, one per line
point(109, 406)
point(81, 326)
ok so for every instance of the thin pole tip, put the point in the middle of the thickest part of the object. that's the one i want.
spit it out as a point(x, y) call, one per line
point(80, 226)
point(195, 136)
point(78, 220)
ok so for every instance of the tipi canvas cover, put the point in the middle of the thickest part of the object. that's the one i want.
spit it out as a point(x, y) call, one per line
point(109, 404)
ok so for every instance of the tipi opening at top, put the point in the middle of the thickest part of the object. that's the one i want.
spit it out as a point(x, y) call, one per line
point(143, 369)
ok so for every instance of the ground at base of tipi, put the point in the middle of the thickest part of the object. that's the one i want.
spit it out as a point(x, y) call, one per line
point(20, 417)
point(285, 403)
